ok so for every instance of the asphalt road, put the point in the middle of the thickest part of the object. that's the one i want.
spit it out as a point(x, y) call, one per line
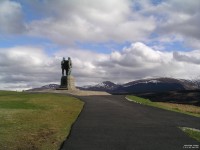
point(113, 123)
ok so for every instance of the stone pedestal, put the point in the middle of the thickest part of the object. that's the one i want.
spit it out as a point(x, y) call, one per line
point(67, 83)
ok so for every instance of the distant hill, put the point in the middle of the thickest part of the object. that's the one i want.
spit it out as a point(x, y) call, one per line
point(107, 86)
point(137, 86)
point(145, 85)
point(49, 86)
point(172, 90)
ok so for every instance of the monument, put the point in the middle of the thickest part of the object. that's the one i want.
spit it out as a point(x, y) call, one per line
point(67, 81)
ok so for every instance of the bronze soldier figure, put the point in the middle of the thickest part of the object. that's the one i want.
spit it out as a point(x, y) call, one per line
point(69, 66)
point(66, 65)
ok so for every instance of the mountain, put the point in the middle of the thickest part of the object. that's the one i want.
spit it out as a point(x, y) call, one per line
point(137, 86)
point(190, 84)
point(49, 86)
point(104, 86)
point(145, 85)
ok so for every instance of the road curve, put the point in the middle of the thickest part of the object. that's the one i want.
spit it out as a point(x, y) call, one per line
point(113, 123)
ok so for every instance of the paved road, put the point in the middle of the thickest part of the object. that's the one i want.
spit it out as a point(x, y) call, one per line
point(113, 123)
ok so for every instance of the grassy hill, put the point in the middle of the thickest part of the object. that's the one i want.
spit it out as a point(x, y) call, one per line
point(36, 121)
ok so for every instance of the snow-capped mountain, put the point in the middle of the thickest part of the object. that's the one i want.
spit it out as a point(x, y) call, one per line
point(145, 85)
point(104, 86)
point(196, 82)
point(190, 84)
point(107, 85)
point(137, 86)
point(49, 86)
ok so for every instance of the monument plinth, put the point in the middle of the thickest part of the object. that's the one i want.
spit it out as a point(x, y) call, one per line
point(67, 83)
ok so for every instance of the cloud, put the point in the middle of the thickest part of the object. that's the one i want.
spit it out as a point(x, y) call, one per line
point(68, 22)
point(74, 21)
point(134, 62)
point(26, 67)
point(11, 17)
point(88, 21)
point(183, 24)
point(188, 57)
point(177, 18)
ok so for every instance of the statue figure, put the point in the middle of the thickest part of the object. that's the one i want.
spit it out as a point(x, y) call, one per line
point(66, 65)
point(69, 66)
point(67, 81)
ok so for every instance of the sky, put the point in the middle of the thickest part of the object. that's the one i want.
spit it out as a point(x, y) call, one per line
point(107, 40)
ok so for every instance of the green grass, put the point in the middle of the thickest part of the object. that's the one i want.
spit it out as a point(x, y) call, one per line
point(186, 109)
point(35, 121)
point(18, 105)
point(192, 133)
point(140, 100)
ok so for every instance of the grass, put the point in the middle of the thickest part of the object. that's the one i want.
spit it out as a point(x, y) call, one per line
point(35, 121)
point(192, 133)
point(181, 108)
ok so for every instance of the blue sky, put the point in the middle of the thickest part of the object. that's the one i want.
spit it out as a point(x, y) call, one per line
point(118, 40)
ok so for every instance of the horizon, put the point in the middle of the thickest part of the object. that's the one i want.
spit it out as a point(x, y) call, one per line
point(116, 83)
point(116, 40)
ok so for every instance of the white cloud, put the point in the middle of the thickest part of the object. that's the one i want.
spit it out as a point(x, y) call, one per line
point(25, 67)
point(134, 62)
point(11, 17)
point(88, 21)
point(176, 18)
point(70, 21)
point(67, 22)
point(188, 57)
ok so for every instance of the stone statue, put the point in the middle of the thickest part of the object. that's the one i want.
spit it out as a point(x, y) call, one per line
point(67, 81)
point(67, 66)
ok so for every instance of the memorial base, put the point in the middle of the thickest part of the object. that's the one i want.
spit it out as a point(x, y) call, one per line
point(67, 83)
